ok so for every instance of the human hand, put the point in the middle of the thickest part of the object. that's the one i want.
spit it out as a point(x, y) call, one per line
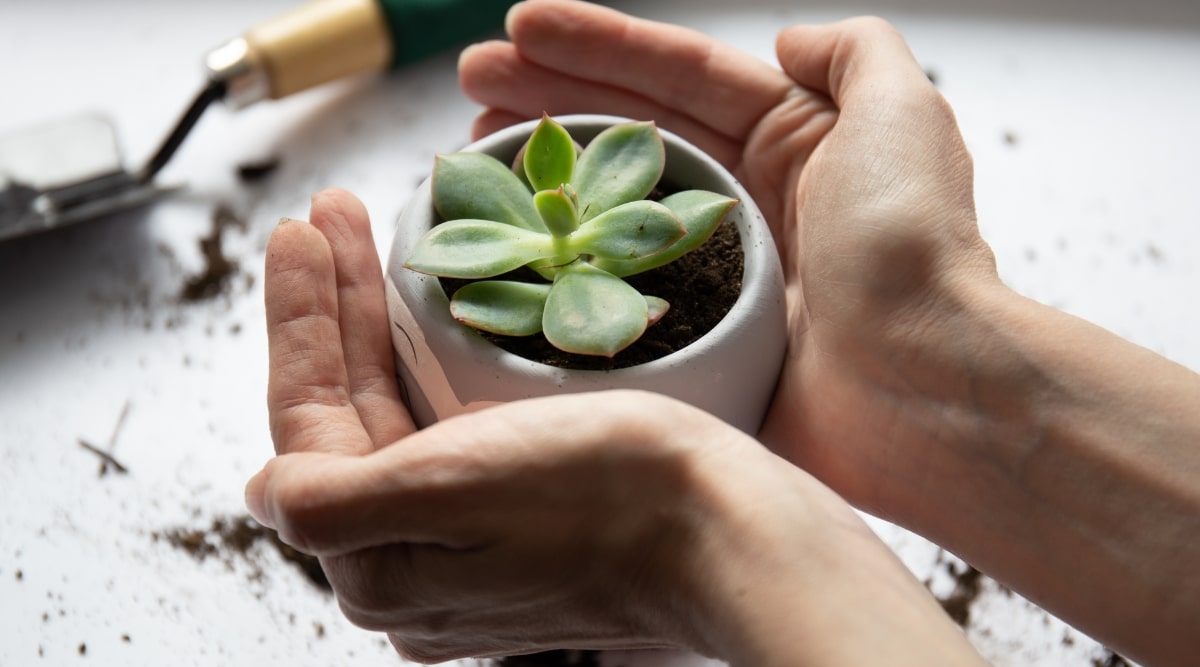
point(608, 520)
point(857, 163)
point(483, 536)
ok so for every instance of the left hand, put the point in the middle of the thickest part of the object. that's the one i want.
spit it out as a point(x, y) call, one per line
point(574, 526)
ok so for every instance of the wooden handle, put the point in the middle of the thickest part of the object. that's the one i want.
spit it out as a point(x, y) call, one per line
point(320, 41)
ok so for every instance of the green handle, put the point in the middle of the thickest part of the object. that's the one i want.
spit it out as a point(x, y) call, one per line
point(423, 28)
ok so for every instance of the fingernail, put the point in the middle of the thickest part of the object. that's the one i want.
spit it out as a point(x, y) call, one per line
point(256, 498)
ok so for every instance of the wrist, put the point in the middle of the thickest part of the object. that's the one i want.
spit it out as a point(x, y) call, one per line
point(781, 572)
point(1068, 457)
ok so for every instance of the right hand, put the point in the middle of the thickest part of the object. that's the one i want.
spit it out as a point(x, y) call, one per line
point(859, 167)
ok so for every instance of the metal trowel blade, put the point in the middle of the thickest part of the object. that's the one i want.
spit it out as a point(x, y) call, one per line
point(65, 171)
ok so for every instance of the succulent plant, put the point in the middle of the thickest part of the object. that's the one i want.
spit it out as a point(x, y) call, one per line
point(578, 218)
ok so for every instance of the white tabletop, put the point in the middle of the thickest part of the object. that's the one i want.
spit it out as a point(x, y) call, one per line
point(1081, 119)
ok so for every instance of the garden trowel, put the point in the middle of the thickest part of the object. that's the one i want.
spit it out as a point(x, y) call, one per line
point(71, 170)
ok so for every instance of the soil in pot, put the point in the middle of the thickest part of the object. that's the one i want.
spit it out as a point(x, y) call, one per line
point(701, 287)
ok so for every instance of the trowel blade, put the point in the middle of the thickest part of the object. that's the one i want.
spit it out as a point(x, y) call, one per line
point(64, 171)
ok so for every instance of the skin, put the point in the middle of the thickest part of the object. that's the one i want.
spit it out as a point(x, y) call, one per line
point(1049, 453)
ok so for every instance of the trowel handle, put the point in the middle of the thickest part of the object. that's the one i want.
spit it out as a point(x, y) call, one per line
point(325, 40)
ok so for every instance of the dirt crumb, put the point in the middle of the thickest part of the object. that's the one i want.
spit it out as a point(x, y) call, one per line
point(219, 270)
point(1110, 659)
point(253, 172)
point(968, 584)
point(228, 538)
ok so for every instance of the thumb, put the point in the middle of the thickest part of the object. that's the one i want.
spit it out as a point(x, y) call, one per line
point(852, 61)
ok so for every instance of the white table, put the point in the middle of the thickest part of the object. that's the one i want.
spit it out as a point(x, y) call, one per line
point(1081, 119)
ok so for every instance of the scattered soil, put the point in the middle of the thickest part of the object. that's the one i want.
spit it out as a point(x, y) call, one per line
point(967, 587)
point(253, 172)
point(1110, 659)
point(230, 537)
point(219, 270)
point(564, 658)
point(701, 287)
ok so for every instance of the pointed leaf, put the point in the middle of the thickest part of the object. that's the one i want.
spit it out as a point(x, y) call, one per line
point(557, 211)
point(630, 231)
point(475, 186)
point(657, 308)
point(700, 212)
point(501, 306)
point(622, 164)
point(590, 311)
point(549, 158)
point(477, 249)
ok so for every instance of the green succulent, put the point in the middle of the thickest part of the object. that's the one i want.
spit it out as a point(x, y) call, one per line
point(580, 219)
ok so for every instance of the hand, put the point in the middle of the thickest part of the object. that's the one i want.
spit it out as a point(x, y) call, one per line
point(606, 520)
point(916, 385)
point(855, 160)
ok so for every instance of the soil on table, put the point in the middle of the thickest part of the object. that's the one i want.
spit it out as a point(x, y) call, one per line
point(235, 536)
point(219, 270)
point(701, 287)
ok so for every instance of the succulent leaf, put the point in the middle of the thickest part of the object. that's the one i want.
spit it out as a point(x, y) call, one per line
point(501, 306)
point(479, 187)
point(477, 249)
point(590, 311)
point(557, 211)
point(622, 164)
point(630, 231)
point(699, 211)
point(549, 157)
point(656, 308)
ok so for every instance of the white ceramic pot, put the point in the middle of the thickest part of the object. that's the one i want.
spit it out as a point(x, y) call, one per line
point(447, 368)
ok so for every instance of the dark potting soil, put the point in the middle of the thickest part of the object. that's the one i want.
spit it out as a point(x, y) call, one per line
point(701, 287)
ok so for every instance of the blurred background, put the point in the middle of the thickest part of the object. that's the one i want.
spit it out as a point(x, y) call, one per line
point(132, 349)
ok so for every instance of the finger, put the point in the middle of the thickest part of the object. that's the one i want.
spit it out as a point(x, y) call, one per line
point(466, 482)
point(888, 109)
point(678, 68)
point(494, 120)
point(852, 61)
point(329, 505)
point(308, 394)
point(362, 316)
point(495, 75)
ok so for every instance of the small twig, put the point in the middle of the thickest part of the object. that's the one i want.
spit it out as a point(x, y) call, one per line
point(106, 458)
point(112, 439)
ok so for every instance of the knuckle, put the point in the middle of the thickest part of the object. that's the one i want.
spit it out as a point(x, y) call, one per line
point(300, 519)
point(377, 591)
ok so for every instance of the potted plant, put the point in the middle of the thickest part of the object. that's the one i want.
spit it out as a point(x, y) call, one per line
point(580, 225)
